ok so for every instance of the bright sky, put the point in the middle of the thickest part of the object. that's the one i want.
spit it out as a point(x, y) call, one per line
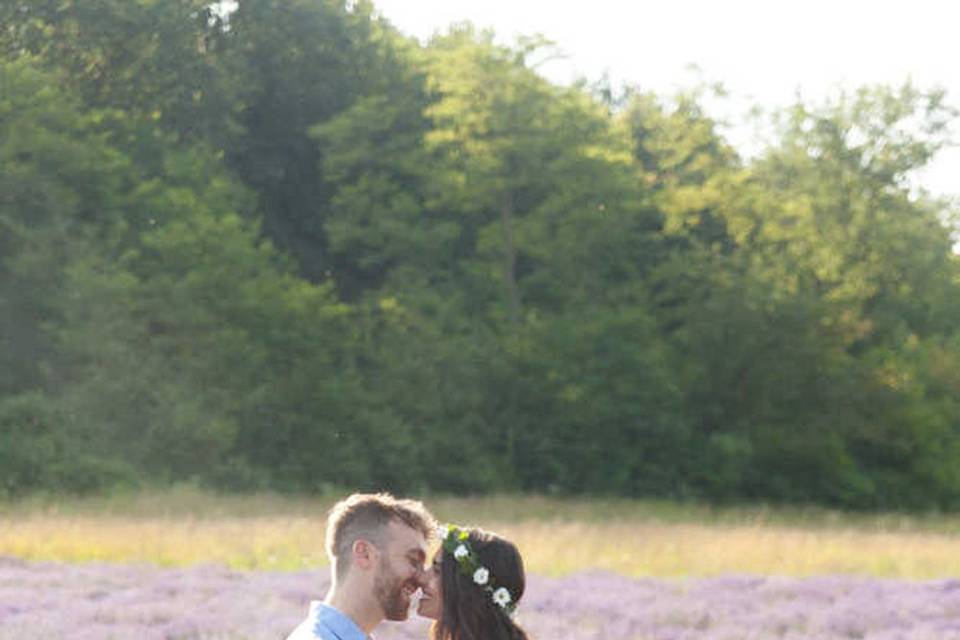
point(763, 51)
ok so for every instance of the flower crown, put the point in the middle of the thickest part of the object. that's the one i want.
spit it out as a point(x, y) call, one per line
point(456, 541)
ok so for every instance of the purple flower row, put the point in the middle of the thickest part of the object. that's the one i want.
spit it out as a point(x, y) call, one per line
point(100, 602)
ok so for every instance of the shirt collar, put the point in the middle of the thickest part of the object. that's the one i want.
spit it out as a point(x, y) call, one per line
point(337, 623)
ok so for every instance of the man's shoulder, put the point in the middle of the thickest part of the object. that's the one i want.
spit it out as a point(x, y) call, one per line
point(304, 631)
point(326, 623)
point(309, 629)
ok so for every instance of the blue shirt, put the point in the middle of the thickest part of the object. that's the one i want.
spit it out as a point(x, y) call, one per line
point(326, 623)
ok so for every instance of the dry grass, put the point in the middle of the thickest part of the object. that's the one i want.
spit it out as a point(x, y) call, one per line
point(556, 536)
point(698, 550)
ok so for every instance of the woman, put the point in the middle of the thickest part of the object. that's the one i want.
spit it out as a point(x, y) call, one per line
point(473, 587)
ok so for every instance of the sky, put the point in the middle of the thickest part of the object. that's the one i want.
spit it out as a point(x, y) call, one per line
point(763, 51)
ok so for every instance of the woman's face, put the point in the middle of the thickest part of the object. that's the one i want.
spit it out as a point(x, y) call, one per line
point(431, 602)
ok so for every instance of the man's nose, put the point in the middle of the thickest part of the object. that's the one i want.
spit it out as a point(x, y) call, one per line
point(421, 576)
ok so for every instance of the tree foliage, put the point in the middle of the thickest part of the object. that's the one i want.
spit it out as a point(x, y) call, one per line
point(288, 247)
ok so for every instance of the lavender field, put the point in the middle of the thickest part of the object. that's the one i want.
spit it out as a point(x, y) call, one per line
point(51, 601)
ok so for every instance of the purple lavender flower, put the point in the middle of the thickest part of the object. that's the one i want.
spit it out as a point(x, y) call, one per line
point(102, 602)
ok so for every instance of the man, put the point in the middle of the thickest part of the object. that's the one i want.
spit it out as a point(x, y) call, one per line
point(377, 547)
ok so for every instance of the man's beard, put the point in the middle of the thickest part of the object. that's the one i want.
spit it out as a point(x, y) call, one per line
point(389, 591)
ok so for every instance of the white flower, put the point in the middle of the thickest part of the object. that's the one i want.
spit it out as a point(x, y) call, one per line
point(460, 552)
point(481, 575)
point(501, 596)
point(443, 532)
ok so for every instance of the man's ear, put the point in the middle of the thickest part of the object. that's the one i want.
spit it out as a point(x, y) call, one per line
point(363, 554)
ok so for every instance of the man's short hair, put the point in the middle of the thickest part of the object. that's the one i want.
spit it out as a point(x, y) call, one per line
point(366, 516)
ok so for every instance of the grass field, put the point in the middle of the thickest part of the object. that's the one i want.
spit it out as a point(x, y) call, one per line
point(557, 536)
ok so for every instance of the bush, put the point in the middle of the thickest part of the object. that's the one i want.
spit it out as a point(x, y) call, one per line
point(36, 452)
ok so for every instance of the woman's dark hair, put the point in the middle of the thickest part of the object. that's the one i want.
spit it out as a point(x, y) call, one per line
point(469, 612)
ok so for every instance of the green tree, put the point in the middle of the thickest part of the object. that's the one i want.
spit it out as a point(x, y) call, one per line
point(155, 62)
point(60, 181)
point(300, 63)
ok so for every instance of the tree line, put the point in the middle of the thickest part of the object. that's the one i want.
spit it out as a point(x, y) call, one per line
point(289, 247)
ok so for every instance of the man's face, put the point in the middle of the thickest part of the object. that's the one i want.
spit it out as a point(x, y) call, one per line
point(400, 570)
